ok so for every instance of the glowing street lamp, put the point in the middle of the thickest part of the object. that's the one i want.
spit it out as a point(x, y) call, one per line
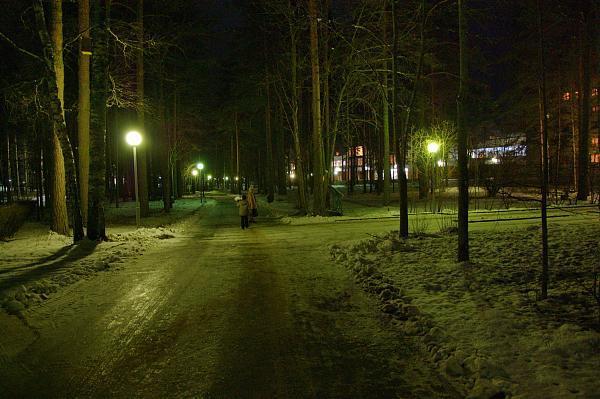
point(194, 172)
point(433, 147)
point(134, 139)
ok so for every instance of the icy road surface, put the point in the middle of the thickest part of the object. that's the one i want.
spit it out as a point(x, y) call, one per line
point(219, 313)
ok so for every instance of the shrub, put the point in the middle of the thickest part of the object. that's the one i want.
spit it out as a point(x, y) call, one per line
point(492, 186)
point(12, 218)
point(419, 225)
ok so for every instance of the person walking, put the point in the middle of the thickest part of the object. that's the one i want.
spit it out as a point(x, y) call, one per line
point(252, 206)
point(243, 212)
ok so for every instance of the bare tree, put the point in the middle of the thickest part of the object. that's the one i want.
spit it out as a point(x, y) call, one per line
point(544, 142)
point(319, 180)
point(96, 223)
point(141, 113)
point(583, 184)
point(462, 139)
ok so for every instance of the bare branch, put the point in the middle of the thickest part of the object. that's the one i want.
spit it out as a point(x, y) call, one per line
point(22, 50)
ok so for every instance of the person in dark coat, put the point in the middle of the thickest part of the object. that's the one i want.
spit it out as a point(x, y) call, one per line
point(243, 212)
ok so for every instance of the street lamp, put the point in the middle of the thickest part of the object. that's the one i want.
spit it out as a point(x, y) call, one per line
point(195, 174)
point(134, 139)
point(433, 148)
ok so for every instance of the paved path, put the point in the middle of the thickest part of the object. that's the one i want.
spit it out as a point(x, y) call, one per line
point(220, 313)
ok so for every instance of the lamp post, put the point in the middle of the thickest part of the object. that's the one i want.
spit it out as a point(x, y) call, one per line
point(134, 139)
point(200, 167)
point(432, 149)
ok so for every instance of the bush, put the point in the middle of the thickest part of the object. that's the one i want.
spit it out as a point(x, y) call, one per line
point(492, 186)
point(12, 218)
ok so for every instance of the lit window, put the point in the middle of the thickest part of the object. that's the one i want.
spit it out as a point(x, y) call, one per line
point(595, 158)
point(594, 92)
point(595, 108)
point(566, 96)
point(594, 140)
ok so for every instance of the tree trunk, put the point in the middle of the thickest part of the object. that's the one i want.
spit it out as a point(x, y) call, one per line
point(386, 148)
point(300, 182)
point(462, 138)
point(141, 116)
point(237, 179)
point(317, 140)
point(57, 114)
point(269, 141)
point(583, 186)
point(60, 220)
point(97, 189)
point(7, 171)
point(83, 112)
point(281, 158)
point(232, 157)
point(165, 148)
point(17, 172)
point(544, 152)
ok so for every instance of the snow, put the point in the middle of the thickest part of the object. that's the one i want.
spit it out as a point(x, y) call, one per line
point(481, 320)
point(38, 262)
point(480, 323)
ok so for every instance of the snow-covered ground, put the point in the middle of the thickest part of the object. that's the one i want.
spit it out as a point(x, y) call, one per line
point(482, 321)
point(37, 262)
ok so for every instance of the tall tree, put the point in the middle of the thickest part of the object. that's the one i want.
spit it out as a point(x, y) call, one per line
point(60, 220)
point(295, 105)
point(83, 111)
point(462, 139)
point(583, 186)
point(403, 132)
point(269, 172)
point(165, 145)
point(386, 119)
point(141, 114)
point(317, 140)
point(96, 224)
point(58, 119)
point(544, 144)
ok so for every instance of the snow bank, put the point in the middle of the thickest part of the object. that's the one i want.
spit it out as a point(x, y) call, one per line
point(60, 263)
